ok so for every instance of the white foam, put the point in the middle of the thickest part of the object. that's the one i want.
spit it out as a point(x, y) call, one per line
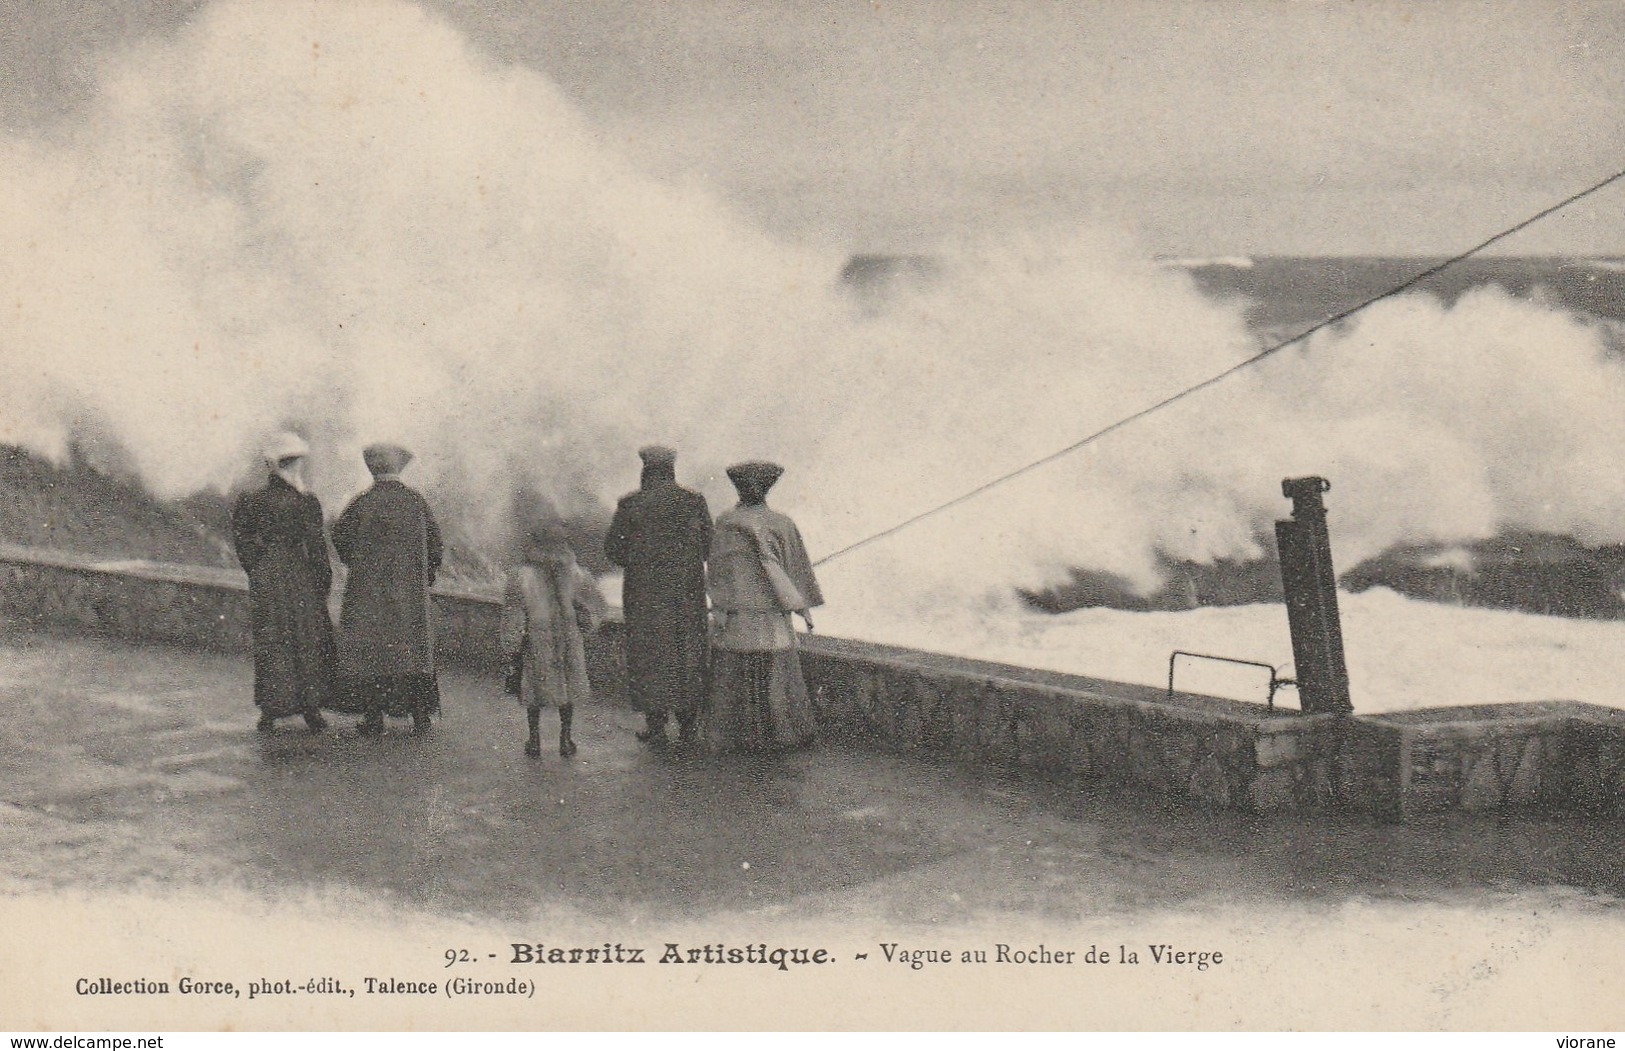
point(1402, 653)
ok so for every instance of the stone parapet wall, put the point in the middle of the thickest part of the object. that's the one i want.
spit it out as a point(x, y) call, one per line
point(1206, 749)
point(1586, 766)
point(197, 606)
point(201, 608)
point(1211, 751)
point(1504, 757)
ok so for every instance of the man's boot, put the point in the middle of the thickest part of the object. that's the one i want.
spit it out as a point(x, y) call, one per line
point(654, 731)
point(372, 724)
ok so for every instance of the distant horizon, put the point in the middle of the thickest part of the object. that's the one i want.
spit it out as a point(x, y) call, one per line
point(1296, 290)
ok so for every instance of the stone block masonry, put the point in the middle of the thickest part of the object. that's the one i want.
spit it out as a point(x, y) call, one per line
point(1208, 750)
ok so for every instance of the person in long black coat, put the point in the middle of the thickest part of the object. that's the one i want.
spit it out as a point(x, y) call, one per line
point(659, 536)
point(278, 535)
point(389, 540)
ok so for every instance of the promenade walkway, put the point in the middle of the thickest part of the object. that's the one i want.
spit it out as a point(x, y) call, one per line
point(135, 771)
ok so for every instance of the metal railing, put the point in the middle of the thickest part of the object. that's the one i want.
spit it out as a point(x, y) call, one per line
point(1276, 682)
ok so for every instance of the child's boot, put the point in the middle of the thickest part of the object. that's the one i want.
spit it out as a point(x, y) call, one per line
point(567, 745)
point(533, 745)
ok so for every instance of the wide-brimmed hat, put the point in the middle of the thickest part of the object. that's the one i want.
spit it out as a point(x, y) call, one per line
point(755, 474)
point(386, 458)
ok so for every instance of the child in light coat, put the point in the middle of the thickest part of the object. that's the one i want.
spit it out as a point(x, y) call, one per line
point(550, 605)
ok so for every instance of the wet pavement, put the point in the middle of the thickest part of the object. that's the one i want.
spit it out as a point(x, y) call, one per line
point(123, 766)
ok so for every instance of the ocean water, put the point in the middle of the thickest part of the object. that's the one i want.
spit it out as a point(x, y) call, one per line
point(1519, 615)
point(1530, 570)
point(1288, 291)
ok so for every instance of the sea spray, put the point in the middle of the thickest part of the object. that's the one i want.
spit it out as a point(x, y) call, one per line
point(348, 220)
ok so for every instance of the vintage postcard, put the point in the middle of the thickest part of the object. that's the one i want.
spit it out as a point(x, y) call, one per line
point(535, 515)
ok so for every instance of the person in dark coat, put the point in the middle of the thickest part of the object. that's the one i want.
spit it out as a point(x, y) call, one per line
point(760, 575)
point(278, 535)
point(659, 536)
point(389, 540)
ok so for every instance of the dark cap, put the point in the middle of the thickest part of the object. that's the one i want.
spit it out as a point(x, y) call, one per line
point(385, 458)
point(755, 474)
point(654, 455)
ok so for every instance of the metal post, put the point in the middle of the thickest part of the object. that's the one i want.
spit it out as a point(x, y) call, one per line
point(1310, 586)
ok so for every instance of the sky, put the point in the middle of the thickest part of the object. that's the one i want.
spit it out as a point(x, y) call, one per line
point(899, 125)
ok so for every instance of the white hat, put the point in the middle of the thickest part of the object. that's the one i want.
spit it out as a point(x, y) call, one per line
point(285, 446)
